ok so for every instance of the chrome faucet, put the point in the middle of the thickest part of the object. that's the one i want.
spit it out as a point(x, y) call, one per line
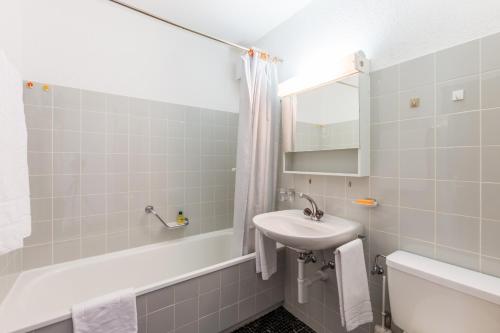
point(315, 214)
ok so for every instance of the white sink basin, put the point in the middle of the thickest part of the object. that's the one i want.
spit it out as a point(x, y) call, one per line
point(293, 229)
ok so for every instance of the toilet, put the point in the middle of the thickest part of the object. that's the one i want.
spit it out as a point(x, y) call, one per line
point(429, 296)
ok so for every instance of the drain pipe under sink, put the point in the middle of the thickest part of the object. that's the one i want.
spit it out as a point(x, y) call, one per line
point(304, 283)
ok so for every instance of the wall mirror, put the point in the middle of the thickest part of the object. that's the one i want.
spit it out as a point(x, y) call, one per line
point(327, 117)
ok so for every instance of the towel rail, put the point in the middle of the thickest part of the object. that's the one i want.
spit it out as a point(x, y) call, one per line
point(169, 225)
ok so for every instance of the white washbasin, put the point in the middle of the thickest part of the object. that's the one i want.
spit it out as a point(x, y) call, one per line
point(293, 229)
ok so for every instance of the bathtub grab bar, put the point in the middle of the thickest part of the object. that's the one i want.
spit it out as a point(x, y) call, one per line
point(171, 225)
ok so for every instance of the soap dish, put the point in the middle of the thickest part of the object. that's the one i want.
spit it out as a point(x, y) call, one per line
point(366, 202)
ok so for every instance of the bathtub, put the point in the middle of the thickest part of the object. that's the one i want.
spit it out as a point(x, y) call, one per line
point(44, 296)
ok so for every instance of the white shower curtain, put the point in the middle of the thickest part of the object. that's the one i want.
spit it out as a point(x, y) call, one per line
point(256, 161)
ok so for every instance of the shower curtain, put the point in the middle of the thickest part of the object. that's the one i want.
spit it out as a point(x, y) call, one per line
point(257, 154)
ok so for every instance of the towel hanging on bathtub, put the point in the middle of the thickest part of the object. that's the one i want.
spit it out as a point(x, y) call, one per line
point(111, 313)
point(15, 215)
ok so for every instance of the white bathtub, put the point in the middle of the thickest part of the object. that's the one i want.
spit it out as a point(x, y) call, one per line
point(45, 295)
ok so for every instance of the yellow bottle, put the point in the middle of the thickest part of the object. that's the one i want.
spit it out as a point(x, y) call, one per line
point(180, 218)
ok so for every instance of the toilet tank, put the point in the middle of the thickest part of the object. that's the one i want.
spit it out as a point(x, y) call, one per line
point(429, 296)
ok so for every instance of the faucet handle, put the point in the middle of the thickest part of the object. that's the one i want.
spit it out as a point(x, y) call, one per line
point(307, 212)
point(319, 214)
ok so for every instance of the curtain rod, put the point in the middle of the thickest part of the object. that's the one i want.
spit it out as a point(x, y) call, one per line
point(156, 17)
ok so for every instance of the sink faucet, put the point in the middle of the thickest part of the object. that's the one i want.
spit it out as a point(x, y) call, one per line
point(315, 214)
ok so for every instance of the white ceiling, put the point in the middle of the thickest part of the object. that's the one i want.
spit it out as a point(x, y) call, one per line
point(238, 21)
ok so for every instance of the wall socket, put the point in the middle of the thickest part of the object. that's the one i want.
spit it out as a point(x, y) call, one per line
point(458, 95)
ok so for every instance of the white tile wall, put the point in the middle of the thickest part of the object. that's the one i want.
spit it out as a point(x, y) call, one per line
point(96, 160)
point(434, 170)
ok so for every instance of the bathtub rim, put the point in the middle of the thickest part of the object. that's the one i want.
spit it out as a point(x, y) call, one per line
point(65, 315)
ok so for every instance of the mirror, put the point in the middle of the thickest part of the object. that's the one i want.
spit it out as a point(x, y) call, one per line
point(327, 117)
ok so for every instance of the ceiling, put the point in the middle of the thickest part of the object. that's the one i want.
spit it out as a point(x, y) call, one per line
point(238, 21)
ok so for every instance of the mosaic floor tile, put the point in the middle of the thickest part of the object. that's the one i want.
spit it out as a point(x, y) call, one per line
point(277, 321)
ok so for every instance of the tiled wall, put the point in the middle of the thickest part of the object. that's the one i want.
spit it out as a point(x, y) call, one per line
point(209, 304)
point(435, 169)
point(96, 160)
point(10, 267)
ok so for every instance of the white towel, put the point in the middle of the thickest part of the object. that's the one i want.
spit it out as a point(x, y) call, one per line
point(265, 255)
point(15, 215)
point(111, 313)
point(354, 295)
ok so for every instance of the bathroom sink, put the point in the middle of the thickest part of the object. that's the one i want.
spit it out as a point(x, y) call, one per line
point(291, 228)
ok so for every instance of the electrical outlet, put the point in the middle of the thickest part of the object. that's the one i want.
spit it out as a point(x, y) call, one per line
point(458, 95)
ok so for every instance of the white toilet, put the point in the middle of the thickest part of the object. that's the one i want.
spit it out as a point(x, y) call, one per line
point(428, 296)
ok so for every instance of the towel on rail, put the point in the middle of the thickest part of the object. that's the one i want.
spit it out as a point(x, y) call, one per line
point(15, 212)
point(354, 295)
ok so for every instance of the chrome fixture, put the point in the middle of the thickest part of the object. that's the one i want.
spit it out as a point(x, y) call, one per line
point(169, 225)
point(308, 257)
point(377, 268)
point(315, 214)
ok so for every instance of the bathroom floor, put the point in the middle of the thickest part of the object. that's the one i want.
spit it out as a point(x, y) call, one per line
point(277, 321)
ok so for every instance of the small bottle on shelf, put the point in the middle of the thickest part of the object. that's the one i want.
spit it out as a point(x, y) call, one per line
point(180, 218)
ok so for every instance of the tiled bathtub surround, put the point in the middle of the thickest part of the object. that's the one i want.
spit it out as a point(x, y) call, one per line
point(435, 170)
point(209, 304)
point(96, 160)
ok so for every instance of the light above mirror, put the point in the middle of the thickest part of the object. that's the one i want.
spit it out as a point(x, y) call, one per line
point(352, 64)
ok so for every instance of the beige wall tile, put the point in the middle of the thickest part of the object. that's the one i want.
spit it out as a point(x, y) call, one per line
point(417, 72)
point(458, 232)
point(458, 130)
point(491, 201)
point(417, 133)
point(37, 256)
point(417, 163)
point(416, 193)
point(490, 50)
point(489, 238)
point(490, 86)
point(384, 108)
point(458, 164)
point(458, 61)
point(417, 224)
point(489, 122)
point(491, 164)
point(384, 81)
point(385, 190)
point(460, 198)
point(457, 257)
